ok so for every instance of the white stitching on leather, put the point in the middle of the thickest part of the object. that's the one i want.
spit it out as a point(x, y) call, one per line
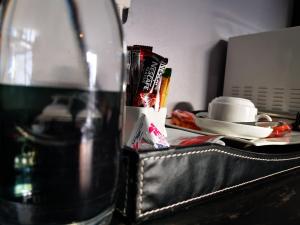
point(141, 176)
point(223, 152)
point(141, 186)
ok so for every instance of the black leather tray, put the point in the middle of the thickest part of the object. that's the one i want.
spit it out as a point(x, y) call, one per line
point(159, 183)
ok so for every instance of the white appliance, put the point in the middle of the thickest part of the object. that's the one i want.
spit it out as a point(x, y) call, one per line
point(265, 68)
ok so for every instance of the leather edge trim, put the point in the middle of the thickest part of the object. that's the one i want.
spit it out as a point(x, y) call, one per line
point(141, 177)
point(124, 210)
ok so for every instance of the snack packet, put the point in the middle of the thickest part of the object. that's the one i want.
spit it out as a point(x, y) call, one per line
point(135, 61)
point(184, 119)
point(201, 139)
point(280, 130)
point(145, 135)
point(164, 89)
point(150, 79)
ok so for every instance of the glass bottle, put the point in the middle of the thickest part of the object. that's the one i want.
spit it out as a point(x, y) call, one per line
point(61, 90)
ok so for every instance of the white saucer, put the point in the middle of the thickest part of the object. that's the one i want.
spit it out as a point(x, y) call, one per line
point(233, 129)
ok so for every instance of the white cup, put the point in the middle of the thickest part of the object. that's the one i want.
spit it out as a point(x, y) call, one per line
point(232, 109)
point(132, 114)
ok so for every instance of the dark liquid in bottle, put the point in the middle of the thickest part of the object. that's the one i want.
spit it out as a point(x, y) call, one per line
point(59, 154)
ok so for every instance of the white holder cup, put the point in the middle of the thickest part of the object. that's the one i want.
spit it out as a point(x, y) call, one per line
point(132, 114)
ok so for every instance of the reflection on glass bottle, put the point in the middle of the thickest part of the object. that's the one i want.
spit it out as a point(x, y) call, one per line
point(23, 164)
point(26, 159)
point(58, 110)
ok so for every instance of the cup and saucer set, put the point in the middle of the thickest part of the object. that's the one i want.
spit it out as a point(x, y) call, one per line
point(235, 117)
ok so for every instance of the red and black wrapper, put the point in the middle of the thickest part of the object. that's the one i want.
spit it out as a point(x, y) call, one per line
point(149, 81)
point(135, 60)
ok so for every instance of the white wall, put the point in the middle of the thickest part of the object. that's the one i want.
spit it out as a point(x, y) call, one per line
point(188, 31)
